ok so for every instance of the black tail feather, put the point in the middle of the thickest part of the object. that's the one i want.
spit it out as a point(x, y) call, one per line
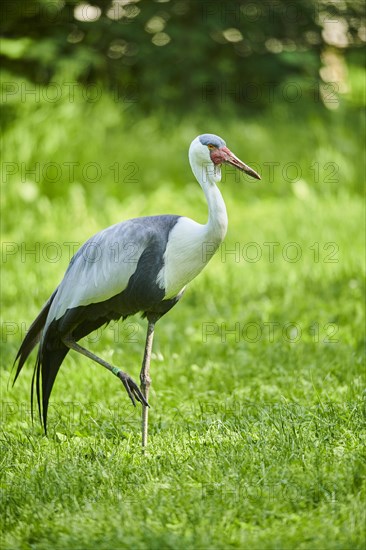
point(36, 375)
point(32, 337)
point(49, 361)
point(49, 358)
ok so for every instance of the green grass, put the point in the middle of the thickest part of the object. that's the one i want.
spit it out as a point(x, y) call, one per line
point(257, 419)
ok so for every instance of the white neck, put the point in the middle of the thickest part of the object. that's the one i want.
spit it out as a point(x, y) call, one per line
point(208, 175)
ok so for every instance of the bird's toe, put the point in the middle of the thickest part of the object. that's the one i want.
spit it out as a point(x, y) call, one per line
point(132, 389)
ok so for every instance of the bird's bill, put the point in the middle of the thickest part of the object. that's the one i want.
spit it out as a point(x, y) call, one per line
point(229, 158)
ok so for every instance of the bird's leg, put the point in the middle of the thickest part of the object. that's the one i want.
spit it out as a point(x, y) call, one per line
point(146, 380)
point(131, 387)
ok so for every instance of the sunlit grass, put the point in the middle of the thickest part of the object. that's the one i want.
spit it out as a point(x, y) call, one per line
point(256, 427)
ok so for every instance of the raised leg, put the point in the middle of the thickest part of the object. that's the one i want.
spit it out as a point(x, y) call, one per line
point(131, 387)
point(146, 380)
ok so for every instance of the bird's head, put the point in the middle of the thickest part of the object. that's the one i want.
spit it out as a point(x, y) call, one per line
point(209, 148)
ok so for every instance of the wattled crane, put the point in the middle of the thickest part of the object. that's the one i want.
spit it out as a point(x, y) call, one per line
point(139, 265)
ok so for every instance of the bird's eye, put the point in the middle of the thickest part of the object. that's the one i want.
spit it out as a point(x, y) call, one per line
point(210, 146)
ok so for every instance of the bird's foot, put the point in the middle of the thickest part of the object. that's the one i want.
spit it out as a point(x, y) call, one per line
point(132, 389)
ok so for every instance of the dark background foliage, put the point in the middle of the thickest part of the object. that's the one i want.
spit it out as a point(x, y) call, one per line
point(183, 54)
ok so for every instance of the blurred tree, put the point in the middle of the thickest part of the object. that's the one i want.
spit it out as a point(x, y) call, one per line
point(179, 54)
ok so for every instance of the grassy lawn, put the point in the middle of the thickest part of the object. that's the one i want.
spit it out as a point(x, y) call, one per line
point(257, 419)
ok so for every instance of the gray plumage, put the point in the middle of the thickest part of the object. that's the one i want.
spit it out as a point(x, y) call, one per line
point(105, 280)
point(212, 139)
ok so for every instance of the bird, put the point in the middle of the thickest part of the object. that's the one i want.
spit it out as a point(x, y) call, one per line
point(141, 265)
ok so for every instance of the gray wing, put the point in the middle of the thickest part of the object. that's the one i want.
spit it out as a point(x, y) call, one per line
point(103, 266)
